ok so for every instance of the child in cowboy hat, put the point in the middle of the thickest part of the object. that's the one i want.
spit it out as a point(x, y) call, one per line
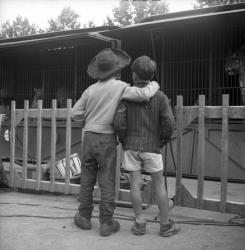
point(143, 128)
point(96, 109)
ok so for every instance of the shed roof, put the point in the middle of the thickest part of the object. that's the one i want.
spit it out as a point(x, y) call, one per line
point(233, 14)
point(56, 39)
point(201, 11)
point(213, 17)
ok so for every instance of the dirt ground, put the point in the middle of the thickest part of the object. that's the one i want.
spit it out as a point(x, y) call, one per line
point(40, 222)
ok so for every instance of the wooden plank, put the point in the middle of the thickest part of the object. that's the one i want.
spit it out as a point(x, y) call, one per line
point(189, 114)
point(46, 186)
point(124, 194)
point(224, 154)
point(213, 112)
point(25, 142)
point(179, 149)
point(73, 188)
point(53, 145)
point(12, 145)
point(194, 150)
point(187, 199)
point(214, 205)
point(236, 112)
point(201, 151)
point(39, 144)
point(118, 172)
point(210, 65)
point(46, 113)
point(68, 146)
point(19, 115)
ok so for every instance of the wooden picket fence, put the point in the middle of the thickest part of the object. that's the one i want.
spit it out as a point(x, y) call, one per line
point(184, 115)
point(38, 114)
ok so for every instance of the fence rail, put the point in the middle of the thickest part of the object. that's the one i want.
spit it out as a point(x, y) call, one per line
point(184, 115)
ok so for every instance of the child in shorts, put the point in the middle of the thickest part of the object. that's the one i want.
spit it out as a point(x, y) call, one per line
point(143, 128)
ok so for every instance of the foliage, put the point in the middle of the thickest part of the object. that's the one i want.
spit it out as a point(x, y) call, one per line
point(67, 20)
point(108, 21)
point(19, 27)
point(207, 3)
point(129, 12)
point(90, 24)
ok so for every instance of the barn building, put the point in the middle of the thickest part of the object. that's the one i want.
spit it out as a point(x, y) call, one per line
point(197, 52)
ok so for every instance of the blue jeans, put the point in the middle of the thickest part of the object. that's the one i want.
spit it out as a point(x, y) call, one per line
point(98, 159)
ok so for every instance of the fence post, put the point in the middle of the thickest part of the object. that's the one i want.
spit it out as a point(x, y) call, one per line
point(118, 172)
point(224, 154)
point(53, 145)
point(25, 143)
point(12, 145)
point(39, 143)
point(201, 151)
point(68, 146)
point(179, 149)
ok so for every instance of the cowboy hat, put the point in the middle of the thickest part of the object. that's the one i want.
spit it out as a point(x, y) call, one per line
point(108, 62)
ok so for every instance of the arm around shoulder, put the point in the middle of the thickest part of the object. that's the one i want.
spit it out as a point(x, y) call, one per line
point(140, 94)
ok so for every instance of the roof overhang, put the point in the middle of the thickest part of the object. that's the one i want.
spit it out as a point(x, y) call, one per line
point(193, 21)
point(56, 40)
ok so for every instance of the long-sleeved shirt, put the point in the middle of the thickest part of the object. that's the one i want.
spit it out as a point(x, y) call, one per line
point(144, 127)
point(97, 106)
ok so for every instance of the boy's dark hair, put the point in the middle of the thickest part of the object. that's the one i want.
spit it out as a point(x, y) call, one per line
point(144, 68)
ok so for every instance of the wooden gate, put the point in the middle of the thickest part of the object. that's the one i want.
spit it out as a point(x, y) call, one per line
point(184, 116)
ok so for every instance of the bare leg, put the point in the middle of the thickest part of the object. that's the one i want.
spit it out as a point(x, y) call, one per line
point(161, 196)
point(136, 197)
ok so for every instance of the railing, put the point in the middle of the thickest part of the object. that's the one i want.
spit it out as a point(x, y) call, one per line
point(184, 115)
point(38, 114)
point(37, 184)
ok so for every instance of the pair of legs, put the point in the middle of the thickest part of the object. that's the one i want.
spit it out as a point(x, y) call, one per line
point(134, 162)
point(159, 190)
point(152, 163)
point(98, 159)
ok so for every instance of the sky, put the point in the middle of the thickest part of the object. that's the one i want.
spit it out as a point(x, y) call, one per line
point(40, 11)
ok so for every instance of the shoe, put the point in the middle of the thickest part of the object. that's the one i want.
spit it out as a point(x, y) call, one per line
point(108, 228)
point(82, 222)
point(139, 228)
point(169, 229)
